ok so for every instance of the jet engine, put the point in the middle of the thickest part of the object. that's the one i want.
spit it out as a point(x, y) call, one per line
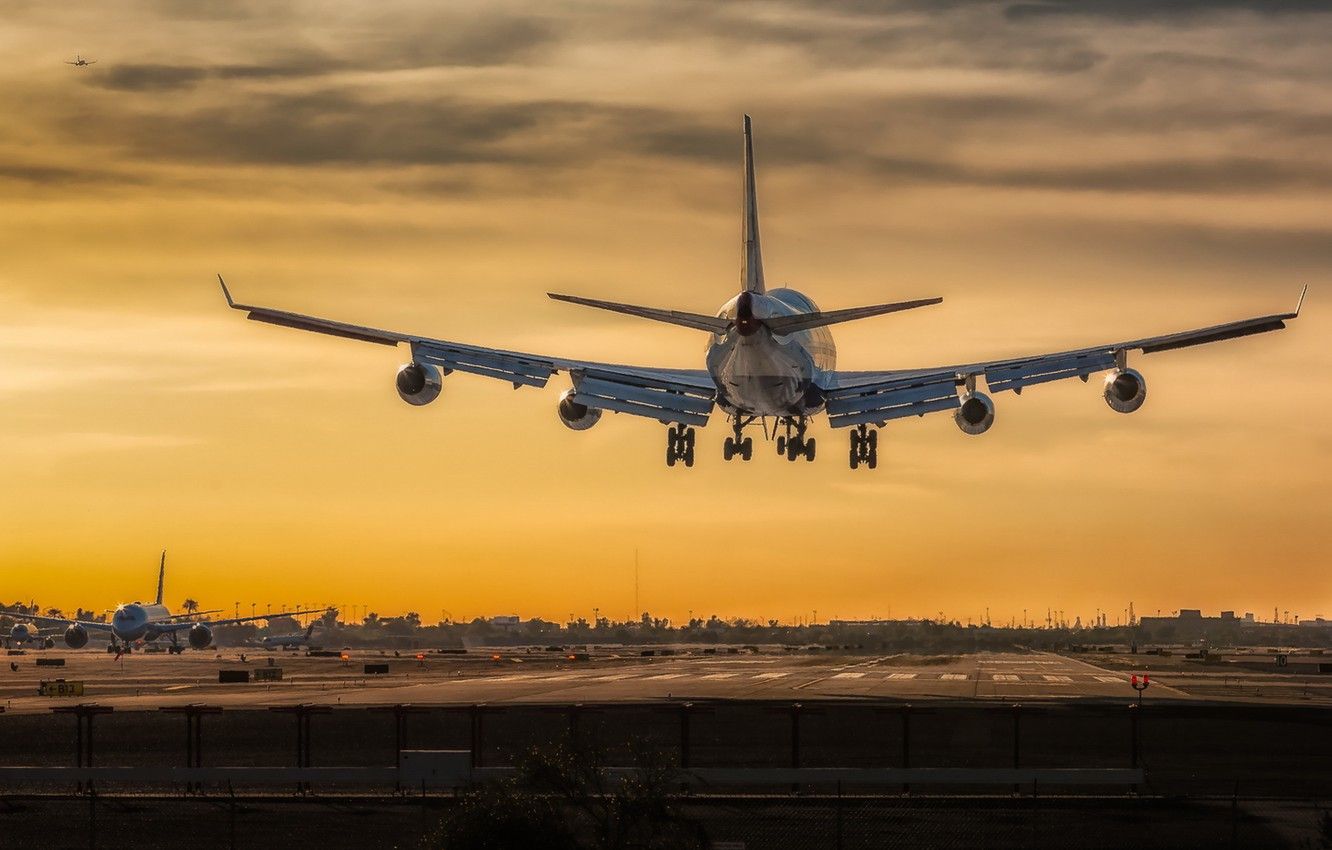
point(976, 414)
point(200, 636)
point(20, 632)
point(76, 637)
point(577, 416)
point(419, 383)
point(1125, 390)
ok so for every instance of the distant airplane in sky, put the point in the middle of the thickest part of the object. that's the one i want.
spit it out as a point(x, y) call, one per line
point(770, 356)
point(80, 62)
point(138, 621)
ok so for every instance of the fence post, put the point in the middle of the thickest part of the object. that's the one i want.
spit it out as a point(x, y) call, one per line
point(1017, 746)
point(906, 743)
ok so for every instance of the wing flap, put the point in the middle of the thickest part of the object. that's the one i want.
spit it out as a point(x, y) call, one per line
point(491, 364)
point(890, 400)
point(1046, 369)
point(652, 398)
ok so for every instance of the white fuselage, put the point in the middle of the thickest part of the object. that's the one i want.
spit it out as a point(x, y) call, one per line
point(760, 374)
point(134, 621)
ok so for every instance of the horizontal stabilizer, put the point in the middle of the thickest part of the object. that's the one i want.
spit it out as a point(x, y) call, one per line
point(781, 325)
point(697, 321)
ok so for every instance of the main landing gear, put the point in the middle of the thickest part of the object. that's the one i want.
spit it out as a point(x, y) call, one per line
point(865, 447)
point(739, 444)
point(793, 443)
point(679, 445)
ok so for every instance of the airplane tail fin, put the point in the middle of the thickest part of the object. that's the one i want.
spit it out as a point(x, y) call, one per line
point(161, 577)
point(751, 258)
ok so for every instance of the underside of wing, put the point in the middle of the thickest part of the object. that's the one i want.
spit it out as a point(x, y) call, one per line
point(668, 395)
point(855, 398)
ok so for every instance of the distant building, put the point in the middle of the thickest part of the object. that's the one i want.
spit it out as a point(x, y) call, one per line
point(1317, 623)
point(1190, 624)
point(507, 621)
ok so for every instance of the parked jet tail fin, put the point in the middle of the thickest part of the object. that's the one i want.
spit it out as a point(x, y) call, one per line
point(782, 325)
point(697, 321)
point(161, 577)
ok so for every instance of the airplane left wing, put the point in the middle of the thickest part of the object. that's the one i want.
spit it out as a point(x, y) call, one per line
point(57, 621)
point(856, 398)
point(684, 396)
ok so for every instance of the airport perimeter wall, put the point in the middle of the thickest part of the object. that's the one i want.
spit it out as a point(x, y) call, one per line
point(1265, 750)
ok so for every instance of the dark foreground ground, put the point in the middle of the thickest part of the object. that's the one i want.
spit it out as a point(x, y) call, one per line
point(752, 824)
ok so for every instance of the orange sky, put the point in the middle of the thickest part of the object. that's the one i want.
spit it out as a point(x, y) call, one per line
point(1061, 176)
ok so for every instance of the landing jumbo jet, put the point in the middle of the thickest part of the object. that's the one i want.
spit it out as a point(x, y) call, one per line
point(769, 356)
point(80, 62)
point(138, 621)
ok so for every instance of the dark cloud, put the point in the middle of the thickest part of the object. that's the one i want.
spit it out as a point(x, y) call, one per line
point(1131, 10)
point(147, 77)
point(54, 176)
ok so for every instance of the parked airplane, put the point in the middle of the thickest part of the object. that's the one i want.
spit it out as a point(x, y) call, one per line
point(132, 622)
point(25, 632)
point(289, 641)
point(770, 355)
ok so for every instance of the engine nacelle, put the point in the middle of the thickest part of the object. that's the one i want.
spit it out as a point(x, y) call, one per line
point(976, 414)
point(1125, 390)
point(419, 383)
point(20, 632)
point(200, 636)
point(76, 637)
point(577, 416)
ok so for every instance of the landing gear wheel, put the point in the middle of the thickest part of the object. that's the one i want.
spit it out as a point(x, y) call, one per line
point(728, 449)
point(679, 445)
point(781, 445)
point(864, 447)
point(747, 448)
point(810, 445)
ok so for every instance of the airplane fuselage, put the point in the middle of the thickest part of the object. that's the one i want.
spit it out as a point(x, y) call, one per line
point(134, 621)
point(760, 374)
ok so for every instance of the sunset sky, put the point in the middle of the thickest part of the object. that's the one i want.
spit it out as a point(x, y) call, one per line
point(1062, 174)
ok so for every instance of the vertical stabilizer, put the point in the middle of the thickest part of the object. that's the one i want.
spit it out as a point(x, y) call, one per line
point(751, 259)
point(161, 577)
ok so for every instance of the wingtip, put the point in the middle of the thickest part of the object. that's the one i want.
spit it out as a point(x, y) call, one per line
point(747, 125)
point(226, 293)
point(1299, 304)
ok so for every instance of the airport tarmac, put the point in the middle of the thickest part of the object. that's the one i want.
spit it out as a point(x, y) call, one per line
point(145, 680)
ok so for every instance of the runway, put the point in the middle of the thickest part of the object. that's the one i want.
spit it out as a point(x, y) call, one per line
point(152, 680)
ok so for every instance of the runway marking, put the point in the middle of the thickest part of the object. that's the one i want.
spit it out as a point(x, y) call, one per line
point(612, 678)
point(661, 676)
point(498, 679)
point(847, 675)
point(720, 676)
point(954, 677)
point(1114, 679)
point(560, 678)
point(1049, 678)
point(771, 675)
point(902, 675)
point(1003, 677)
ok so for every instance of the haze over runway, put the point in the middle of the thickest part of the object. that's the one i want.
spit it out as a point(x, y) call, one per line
point(1059, 173)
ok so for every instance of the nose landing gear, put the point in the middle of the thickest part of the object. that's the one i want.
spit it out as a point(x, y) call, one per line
point(793, 443)
point(679, 445)
point(739, 444)
point(865, 447)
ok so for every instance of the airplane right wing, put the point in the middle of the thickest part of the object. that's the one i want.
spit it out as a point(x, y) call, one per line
point(684, 396)
point(857, 398)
